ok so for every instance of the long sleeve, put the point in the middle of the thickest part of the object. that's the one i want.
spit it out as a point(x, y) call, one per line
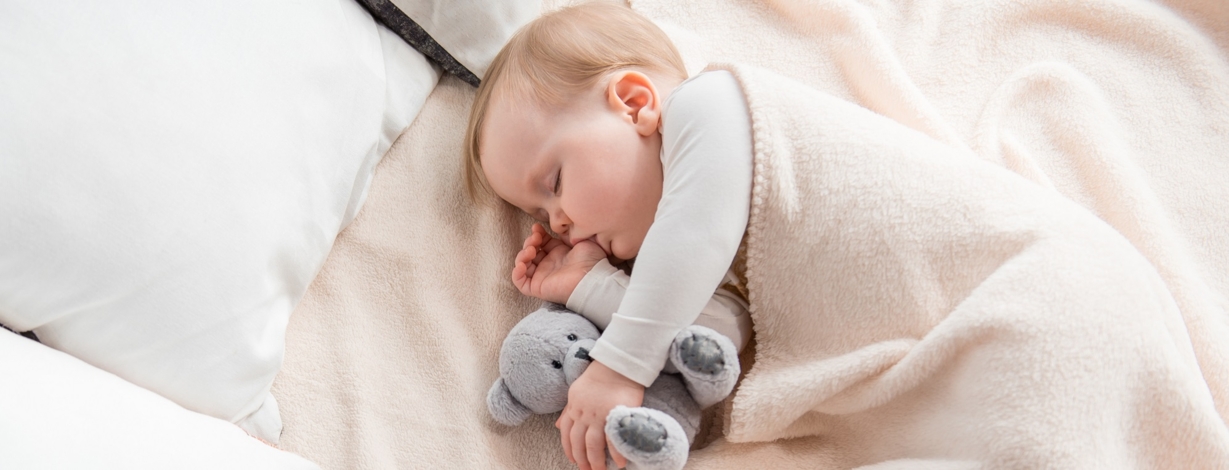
point(700, 221)
point(600, 292)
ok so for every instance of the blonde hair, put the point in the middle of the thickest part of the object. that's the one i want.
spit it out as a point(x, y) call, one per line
point(562, 54)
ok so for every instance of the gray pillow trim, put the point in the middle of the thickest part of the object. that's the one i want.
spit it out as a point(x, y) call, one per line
point(389, 15)
point(28, 334)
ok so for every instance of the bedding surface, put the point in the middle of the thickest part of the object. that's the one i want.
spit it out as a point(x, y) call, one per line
point(1119, 107)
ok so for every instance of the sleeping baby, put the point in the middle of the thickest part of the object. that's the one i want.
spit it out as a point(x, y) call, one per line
point(624, 158)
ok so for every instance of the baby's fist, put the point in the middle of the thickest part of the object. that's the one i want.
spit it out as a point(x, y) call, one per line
point(549, 269)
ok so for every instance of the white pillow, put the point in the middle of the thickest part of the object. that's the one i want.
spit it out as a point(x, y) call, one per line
point(58, 412)
point(173, 174)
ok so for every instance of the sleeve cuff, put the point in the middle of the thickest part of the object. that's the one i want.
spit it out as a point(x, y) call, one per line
point(599, 293)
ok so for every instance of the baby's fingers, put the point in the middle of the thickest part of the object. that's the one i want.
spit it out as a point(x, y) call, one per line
point(536, 254)
point(538, 237)
point(564, 423)
point(521, 280)
point(526, 254)
point(595, 445)
point(522, 271)
point(552, 243)
point(526, 260)
point(578, 447)
point(619, 459)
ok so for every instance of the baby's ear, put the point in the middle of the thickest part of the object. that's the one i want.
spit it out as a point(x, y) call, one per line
point(633, 95)
point(504, 407)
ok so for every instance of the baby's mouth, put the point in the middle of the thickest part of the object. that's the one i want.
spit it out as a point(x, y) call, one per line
point(604, 248)
point(599, 244)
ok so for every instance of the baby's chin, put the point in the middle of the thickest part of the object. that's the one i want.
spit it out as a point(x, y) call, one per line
point(615, 259)
point(616, 256)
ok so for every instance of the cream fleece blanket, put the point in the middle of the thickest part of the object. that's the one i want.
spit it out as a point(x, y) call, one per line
point(1121, 107)
point(913, 301)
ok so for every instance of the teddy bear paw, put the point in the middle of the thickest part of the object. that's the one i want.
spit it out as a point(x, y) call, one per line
point(641, 432)
point(701, 354)
point(708, 363)
point(648, 438)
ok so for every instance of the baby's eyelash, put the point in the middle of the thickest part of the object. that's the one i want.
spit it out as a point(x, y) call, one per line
point(558, 179)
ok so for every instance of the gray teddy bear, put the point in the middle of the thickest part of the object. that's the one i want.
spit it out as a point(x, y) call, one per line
point(548, 349)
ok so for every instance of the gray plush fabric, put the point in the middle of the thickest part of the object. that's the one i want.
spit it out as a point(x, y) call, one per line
point(548, 349)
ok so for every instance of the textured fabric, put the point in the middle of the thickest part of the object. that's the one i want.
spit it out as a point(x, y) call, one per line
point(903, 289)
point(1116, 105)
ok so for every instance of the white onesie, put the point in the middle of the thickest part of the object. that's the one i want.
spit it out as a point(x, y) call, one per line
point(688, 251)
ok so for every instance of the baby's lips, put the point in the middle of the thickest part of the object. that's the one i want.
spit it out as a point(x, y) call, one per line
point(595, 243)
point(574, 241)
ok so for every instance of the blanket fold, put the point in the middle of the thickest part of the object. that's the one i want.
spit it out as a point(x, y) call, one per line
point(920, 301)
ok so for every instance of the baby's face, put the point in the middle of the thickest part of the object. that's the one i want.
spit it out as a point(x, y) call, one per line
point(588, 171)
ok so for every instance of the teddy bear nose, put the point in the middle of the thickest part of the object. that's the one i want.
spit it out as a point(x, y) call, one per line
point(582, 353)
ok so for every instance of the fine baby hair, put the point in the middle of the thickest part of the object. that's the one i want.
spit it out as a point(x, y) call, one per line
point(562, 54)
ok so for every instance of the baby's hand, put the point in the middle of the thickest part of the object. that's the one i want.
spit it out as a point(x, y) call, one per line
point(549, 269)
point(582, 424)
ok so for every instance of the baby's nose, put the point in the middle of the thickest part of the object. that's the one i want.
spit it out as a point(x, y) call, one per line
point(562, 231)
point(559, 223)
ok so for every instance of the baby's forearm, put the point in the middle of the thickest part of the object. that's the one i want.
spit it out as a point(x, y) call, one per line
point(599, 293)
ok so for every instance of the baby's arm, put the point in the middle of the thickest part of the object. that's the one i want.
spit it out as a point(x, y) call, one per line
point(599, 293)
point(697, 229)
point(699, 224)
point(549, 269)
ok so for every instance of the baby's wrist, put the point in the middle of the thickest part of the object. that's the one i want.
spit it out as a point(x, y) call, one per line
point(588, 284)
point(604, 374)
point(561, 289)
point(568, 289)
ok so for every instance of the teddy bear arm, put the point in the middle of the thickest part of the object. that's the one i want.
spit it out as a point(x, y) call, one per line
point(669, 395)
point(504, 407)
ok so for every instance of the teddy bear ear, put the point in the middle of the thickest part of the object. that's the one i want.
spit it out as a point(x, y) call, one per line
point(504, 407)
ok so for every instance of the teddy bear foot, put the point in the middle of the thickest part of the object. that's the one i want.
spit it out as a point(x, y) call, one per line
point(648, 438)
point(708, 362)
